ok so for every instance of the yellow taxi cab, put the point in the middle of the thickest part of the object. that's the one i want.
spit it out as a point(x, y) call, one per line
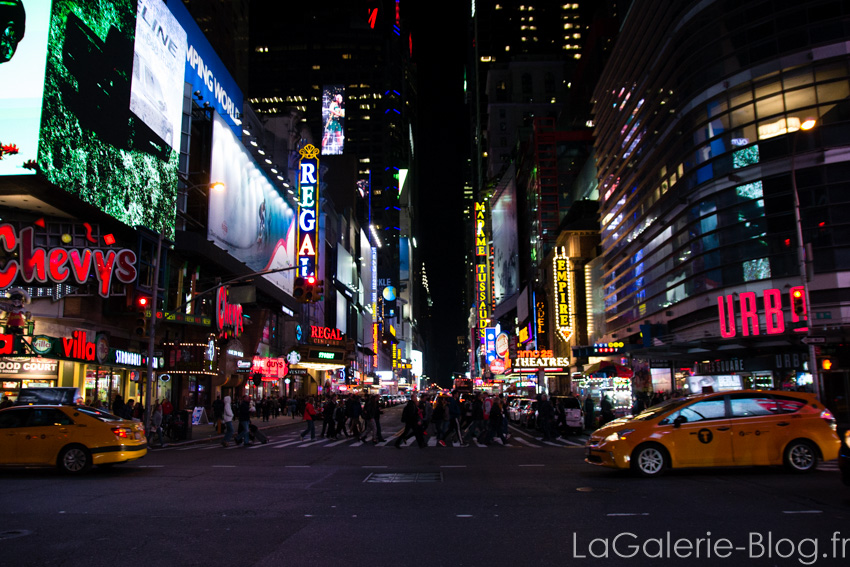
point(69, 437)
point(722, 429)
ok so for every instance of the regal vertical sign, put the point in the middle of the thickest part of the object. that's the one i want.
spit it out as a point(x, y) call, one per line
point(482, 271)
point(308, 210)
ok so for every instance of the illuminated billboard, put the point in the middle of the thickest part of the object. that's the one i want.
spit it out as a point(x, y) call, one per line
point(91, 144)
point(249, 218)
point(159, 60)
point(505, 243)
point(563, 295)
point(482, 268)
point(333, 120)
point(22, 56)
point(207, 74)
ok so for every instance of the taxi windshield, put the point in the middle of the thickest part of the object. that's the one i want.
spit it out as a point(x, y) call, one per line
point(658, 409)
point(98, 414)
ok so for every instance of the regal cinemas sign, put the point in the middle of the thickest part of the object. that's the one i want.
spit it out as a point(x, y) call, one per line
point(35, 264)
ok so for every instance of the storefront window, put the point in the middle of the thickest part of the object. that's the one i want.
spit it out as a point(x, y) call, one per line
point(102, 385)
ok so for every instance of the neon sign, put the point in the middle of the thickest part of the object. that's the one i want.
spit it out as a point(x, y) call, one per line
point(227, 315)
point(326, 333)
point(563, 295)
point(774, 316)
point(308, 210)
point(57, 265)
point(482, 273)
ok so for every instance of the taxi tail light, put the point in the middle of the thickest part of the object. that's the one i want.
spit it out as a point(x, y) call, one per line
point(120, 432)
point(827, 416)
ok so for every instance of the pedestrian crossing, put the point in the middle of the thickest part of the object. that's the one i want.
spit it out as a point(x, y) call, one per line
point(518, 439)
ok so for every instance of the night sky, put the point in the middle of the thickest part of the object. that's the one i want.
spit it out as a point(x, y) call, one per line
point(442, 147)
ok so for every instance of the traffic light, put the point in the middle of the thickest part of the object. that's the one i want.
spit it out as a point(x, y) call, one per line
point(298, 289)
point(309, 289)
point(798, 304)
point(319, 290)
point(826, 364)
point(143, 304)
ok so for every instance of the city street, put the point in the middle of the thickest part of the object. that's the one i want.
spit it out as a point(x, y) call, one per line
point(346, 503)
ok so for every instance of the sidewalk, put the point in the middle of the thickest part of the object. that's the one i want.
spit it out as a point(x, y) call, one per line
point(206, 433)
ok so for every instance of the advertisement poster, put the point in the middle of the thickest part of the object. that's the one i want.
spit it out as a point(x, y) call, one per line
point(333, 120)
point(505, 243)
point(22, 61)
point(91, 144)
point(249, 218)
point(156, 91)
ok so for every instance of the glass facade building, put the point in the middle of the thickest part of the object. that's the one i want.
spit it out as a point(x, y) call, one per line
point(698, 124)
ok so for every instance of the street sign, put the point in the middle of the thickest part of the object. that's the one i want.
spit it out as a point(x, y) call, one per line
point(814, 340)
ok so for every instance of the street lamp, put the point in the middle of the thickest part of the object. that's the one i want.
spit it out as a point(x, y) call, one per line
point(803, 258)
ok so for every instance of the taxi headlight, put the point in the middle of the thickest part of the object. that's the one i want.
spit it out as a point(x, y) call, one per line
point(616, 436)
point(847, 437)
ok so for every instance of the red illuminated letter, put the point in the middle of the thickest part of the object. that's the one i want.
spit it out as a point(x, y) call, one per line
point(773, 315)
point(727, 316)
point(749, 315)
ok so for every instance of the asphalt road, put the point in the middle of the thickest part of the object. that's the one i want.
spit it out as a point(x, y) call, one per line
point(343, 503)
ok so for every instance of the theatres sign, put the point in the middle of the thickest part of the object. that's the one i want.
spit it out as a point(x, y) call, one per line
point(59, 265)
point(540, 359)
point(748, 316)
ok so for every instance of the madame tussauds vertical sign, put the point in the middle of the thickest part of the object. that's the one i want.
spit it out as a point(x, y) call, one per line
point(308, 210)
point(482, 272)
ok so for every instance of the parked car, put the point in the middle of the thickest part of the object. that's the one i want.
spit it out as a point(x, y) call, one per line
point(69, 437)
point(573, 413)
point(515, 412)
point(722, 429)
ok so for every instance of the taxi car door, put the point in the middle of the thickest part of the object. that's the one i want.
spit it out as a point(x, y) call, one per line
point(45, 432)
point(754, 429)
point(702, 437)
point(12, 423)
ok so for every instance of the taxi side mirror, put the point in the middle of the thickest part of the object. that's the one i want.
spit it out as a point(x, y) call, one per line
point(677, 423)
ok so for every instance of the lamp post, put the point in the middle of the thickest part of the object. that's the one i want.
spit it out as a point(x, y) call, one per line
point(803, 258)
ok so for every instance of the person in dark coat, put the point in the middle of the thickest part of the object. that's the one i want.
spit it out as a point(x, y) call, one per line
point(243, 414)
point(547, 416)
point(412, 423)
point(588, 413)
point(328, 417)
point(607, 410)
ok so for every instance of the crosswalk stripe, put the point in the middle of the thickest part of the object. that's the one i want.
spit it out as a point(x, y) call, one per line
point(524, 441)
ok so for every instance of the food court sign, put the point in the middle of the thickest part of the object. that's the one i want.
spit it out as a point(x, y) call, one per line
point(308, 210)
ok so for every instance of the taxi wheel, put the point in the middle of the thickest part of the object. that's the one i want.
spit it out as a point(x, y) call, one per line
point(649, 460)
point(801, 456)
point(74, 459)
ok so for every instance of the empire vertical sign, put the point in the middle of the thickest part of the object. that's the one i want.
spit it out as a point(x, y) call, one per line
point(308, 210)
point(563, 295)
point(482, 271)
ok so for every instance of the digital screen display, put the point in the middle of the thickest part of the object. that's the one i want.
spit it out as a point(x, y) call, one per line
point(91, 144)
point(23, 50)
point(333, 120)
point(206, 73)
point(505, 243)
point(159, 60)
point(249, 218)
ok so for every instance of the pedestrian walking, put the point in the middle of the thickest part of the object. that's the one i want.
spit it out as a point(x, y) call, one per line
point(412, 423)
point(495, 420)
point(455, 413)
point(156, 424)
point(244, 416)
point(328, 417)
point(309, 413)
point(589, 418)
point(369, 411)
point(546, 414)
point(227, 420)
point(440, 419)
point(478, 427)
point(339, 417)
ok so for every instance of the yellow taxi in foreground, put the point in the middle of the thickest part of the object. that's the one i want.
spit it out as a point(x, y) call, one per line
point(72, 438)
point(722, 429)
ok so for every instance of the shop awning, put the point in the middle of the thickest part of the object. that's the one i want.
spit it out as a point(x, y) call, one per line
point(609, 368)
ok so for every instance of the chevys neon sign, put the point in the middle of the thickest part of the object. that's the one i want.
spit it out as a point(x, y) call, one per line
point(58, 265)
point(482, 273)
point(563, 295)
point(308, 210)
point(774, 316)
point(227, 315)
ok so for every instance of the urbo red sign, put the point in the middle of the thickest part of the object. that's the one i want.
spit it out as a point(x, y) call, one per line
point(774, 316)
point(325, 333)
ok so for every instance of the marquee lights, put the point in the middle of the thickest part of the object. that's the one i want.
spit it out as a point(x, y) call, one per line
point(563, 295)
point(308, 210)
